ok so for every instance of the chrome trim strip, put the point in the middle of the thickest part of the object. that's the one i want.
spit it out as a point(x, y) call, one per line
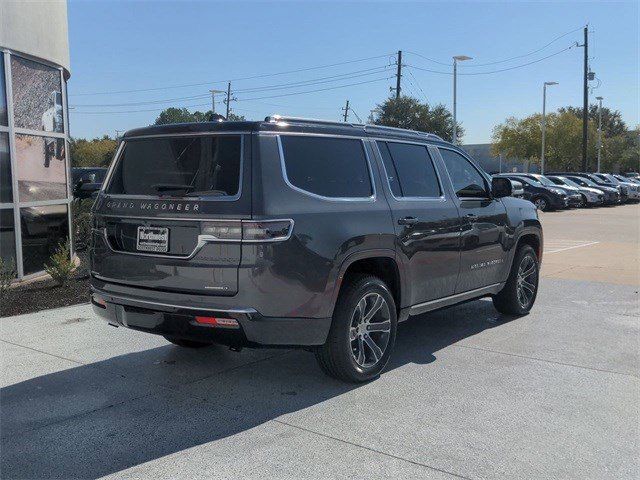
point(186, 198)
point(170, 305)
point(462, 295)
point(441, 198)
point(283, 167)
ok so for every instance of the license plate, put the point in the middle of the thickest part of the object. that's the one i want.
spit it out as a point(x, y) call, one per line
point(153, 239)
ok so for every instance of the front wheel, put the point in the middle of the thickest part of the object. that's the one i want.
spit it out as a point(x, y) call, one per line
point(362, 332)
point(541, 203)
point(519, 292)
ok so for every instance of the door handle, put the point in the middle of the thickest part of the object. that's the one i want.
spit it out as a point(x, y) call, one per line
point(471, 216)
point(407, 221)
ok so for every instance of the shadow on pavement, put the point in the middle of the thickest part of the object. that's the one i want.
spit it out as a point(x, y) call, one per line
point(97, 419)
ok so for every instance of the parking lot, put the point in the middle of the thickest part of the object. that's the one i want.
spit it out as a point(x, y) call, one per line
point(468, 393)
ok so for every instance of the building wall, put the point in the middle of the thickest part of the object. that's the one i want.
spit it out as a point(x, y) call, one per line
point(35, 196)
point(481, 153)
point(37, 28)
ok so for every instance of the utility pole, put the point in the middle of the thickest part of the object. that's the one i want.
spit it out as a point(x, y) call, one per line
point(346, 111)
point(599, 129)
point(228, 99)
point(585, 100)
point(399, 74)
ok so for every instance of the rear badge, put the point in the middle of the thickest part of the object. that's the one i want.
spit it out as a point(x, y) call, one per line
point(153, 239)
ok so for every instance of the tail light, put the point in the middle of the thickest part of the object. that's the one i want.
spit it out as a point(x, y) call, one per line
point(218, 322)
point(247, 230)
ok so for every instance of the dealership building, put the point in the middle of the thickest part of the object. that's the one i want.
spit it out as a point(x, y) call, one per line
point(35, 195)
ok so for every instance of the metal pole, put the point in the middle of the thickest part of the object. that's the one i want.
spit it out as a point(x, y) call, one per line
point(399, 74)
point(585, 101)
point(544, 111)
point(346, 111)
point(228, 98)
point(455, 122)
point(599, 130)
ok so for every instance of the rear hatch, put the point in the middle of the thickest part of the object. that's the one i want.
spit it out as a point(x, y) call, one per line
point(169, 217)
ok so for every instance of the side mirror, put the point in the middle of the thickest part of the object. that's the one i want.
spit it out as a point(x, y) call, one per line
point(501, 187)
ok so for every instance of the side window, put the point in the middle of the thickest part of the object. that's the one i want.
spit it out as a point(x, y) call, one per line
point(410, 170)
point(467, 181)
point(331, 167)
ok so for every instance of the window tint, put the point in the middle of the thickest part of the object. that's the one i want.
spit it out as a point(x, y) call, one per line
point(331, 167)
point(189, 166)
point(410, 170)
point(467, 181)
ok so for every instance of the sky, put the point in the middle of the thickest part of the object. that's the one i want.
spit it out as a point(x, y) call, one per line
point(149, 51)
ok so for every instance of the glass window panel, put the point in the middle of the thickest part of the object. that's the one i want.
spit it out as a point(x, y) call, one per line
point(5, 170)
point(331, 167)
point(467, 181)
point(415, 170)
point(3, 94)
point(41, 168)
point(7, 237)
point(37, 96)
point(43, 229)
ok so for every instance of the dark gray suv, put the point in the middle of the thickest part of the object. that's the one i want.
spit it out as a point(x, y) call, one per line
point(293, 232)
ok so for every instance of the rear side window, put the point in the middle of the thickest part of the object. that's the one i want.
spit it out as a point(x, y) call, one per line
point(330, 167)
point(184, 166)
point(409, 169)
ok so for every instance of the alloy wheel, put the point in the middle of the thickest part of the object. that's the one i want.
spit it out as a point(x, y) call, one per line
point(370, 330)
point(540, 204)
point(526, 282)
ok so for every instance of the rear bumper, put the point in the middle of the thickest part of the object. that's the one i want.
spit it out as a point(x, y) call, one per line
point(180, 321)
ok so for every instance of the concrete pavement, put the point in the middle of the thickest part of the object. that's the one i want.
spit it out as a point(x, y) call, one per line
point(468, 393)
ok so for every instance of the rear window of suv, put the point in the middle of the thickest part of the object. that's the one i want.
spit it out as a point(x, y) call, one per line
point(179, 166)
point(325, 166)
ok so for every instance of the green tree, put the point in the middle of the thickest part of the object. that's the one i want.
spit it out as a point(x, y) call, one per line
point(612, 123)
point(622, 152)
point(92, 153)
point(408, 112)
point(523, 139)
point(182, 115)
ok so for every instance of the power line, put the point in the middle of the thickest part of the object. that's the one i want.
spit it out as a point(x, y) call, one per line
point(302, 83)
point(243, 99)
point(251, 77)
point(494, 71)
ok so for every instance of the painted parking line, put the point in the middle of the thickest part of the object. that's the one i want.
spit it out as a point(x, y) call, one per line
point(563, 245)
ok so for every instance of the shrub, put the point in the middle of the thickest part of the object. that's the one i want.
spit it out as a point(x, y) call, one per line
point(7, 274)
point(60, 265)
point(81, 218)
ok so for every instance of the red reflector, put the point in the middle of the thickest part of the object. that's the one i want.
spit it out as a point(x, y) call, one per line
point(99, 301)
point(217, 322)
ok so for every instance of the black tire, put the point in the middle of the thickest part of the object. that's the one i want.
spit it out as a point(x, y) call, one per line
point(183, 342)
point(339, 357)
point(583, 202)
point(541, 203)
point(509, 300)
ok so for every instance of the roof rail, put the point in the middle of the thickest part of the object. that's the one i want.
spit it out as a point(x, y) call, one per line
point(283, 118)
point(402, 131)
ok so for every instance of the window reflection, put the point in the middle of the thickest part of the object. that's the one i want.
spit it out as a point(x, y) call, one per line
point(37, 96)
point(41, 168)
point(7, 237)
point(5, 170)
point(3, 95)
point(43, 228)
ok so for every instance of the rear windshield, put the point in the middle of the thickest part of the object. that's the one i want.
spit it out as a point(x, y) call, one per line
point(179, 166)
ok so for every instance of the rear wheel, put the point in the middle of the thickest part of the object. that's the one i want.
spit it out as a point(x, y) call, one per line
point(541, 203)
point(519, 293)
point(583, 201)
point(182, 342)
point(362, 332)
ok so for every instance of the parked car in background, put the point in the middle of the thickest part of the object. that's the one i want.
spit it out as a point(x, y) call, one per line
point(544, 198)
point(294, 232)
point(634, 180)
point(600, 182)
point(628, 188)
point(87, 181)
point(611, 194)
point(573, 194)
point(590, 196)
point(632, 175)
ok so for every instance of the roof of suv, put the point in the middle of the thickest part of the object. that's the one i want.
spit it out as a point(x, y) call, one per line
point(286, 124)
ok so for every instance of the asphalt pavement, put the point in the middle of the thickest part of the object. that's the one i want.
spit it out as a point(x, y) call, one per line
point(468, 393)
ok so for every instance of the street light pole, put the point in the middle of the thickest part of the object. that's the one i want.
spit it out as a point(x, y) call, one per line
point(456, 59)
point(544, 122)
point(599, 129)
